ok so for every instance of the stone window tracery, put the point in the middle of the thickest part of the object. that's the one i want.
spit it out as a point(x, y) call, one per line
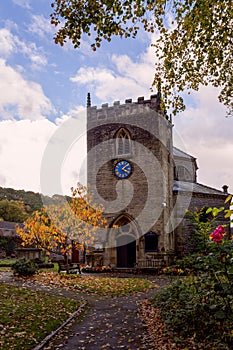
point(123, 142)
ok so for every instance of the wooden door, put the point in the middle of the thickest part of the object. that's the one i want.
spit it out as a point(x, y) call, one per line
point(126, 252)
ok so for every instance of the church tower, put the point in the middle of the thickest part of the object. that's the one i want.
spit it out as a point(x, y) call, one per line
point(130, 171)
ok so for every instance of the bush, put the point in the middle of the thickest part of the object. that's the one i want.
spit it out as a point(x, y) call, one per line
point(7, 245)
point(200, 306)
point(192, 264)
point(191, 309)
point(24, 267)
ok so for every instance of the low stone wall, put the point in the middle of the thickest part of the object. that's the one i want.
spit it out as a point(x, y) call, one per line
point(30, 253)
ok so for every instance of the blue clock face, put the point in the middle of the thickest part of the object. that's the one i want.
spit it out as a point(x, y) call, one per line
point(122, 169)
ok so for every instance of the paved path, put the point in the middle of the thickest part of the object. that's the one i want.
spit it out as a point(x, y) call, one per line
point(108, 323)
point(112, 323)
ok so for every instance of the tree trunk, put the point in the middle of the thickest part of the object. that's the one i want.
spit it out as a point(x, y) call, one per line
point(66, 263)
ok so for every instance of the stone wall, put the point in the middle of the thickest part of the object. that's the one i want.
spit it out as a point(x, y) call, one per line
point(184, 233)
point(31, 253)
point(146, 196)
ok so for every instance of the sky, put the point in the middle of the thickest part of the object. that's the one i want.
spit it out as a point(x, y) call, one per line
point(43, 85)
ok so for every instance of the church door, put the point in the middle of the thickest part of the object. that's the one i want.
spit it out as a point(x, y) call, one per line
point(126, 252)
point(75, 256)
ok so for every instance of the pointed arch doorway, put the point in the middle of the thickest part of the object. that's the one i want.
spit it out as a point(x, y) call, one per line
point(126, 251)
point(125, 238)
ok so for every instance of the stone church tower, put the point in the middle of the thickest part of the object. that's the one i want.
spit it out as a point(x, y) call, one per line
point(131, 172)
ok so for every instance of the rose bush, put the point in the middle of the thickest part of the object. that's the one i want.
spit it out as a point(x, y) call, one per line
point(200, 306)
point(218, 234)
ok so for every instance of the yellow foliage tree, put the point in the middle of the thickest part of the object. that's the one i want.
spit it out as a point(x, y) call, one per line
point(59, 227)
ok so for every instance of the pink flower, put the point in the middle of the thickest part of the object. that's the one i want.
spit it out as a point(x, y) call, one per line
point(218, 234)
point(220, 229)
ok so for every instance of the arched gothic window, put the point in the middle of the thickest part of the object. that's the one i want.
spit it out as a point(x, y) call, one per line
point(123, 142)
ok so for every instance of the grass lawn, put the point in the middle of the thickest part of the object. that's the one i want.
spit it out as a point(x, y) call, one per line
point(6, 262)
point(27, 317)
point(94, 284)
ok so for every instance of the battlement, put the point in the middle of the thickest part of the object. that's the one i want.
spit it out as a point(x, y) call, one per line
point(116, 110)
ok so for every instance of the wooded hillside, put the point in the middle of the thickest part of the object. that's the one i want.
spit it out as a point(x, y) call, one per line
point(31, 200)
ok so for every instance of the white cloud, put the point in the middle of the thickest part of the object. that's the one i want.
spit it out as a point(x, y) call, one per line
point(11, 25)
point(142, 71)
point(40, 26)
point(11, 45)
point(205, 131)
point(7, 43)
point(127, 78)
point(203, 127)
point(207, 135)
point(21, 98)
point(22, 147)
point(22, 3)
point(87, 75)
point(73, 113)
point(33, 53)
point(2, 181)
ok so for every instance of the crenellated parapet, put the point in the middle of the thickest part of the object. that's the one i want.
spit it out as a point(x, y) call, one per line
point(128, 108)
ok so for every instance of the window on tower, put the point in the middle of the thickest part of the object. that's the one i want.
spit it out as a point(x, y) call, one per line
point(123, 142)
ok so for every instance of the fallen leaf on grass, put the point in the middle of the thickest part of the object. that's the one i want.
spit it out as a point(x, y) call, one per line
point(94, 284)
point(158, 331)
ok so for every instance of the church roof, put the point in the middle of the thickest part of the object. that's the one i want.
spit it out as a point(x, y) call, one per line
point(185, 186)
point(178, 153)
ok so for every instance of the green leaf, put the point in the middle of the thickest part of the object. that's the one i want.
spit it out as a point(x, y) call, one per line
point(220, 315)
point(215, 211)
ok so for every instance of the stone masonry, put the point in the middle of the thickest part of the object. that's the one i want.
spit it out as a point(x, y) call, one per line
point(149, 206)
